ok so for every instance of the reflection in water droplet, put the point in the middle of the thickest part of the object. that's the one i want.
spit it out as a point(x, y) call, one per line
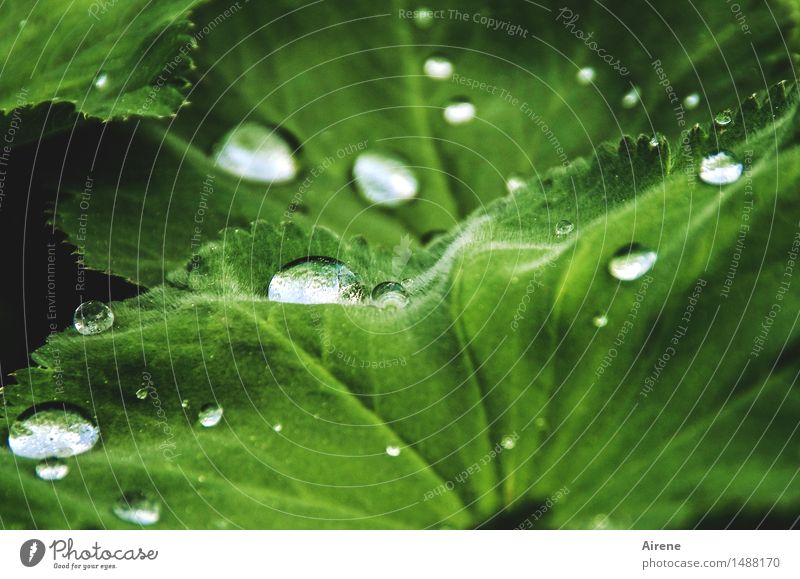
point(508, 442)
point(257, 153)
point(631, 263)
point(138, 508)
point(392, 450)
point(564, 228)
point(52, 469)
point(691, 101)
point(101, 81)
point(384, 179)
point(210, 415)
point(54, 430)
point(720, 169)
point(438, 68)
point(600, 321)
point(515, 183)
point(586, 75)
point(93, 318)
point(459, 112)
point(631, 99)
point(390, 295)
point(315, 280)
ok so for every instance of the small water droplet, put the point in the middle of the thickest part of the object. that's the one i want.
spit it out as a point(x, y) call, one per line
point(600, 521)
point(22, 23)
point(52, 469)
point(257, 153)
point(141, 393)
point(390, 295)
point(210, 415)
point(138, 508)
point(52, 430)
point(423, 17)
point(723, 119)
point(185, 403)
point(393, 450)
point(459, 112)
point(384, 179)
point(315, 280)
point(600, 321)
point(101, 81)
point(720, 168)
point(564, 228)
point(278, 427)
point(632, 262)
point(691, 101)
point(438, 68)
point(631, 98)
point(586, 75)
point(93, 318)
point(508, 442)
point(514, 183)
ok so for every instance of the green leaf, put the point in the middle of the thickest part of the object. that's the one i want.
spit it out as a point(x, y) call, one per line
point(502, 394)
point(338, 76)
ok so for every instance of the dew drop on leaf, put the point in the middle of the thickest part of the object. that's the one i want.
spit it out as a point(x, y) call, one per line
point(93, 318)
point(390, 295)
point(632, 262)
point(600, 321)
point(631, 98)
point(52, 469)
point(723, 119)
point(720, 168)
point(514, 183)
point(315, 280)
point(54, 430)
point(101, 81)
point(508, 442)
point(438, 68)
point(564, 228)
point(277, 427)
point(138, 508)
point(141, 393)
point(393, 450)
point(423, 17)
point(210, 415)
point(384, 179)
point(691, 101)
point(586, 75)
point(459, 112)
point(257, 153)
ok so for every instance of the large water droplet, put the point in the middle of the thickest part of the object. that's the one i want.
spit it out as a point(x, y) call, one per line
point(390, 295)
point(632, 262)
point(384, 179)
point(52, 469)
point(393, 450)
point(315, 280)
point(564, 228)
point(586, 75)
point(257, 153)
point(459, 112)
point(93, 318)
point(54, 430)
point(691, 101)
point(138, 508)
point(210, 415)
point(720, 169)
point(438, 68)
point(631, 99)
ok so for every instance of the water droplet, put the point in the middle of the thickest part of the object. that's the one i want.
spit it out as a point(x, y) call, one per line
point(631, 99)
point(632, 262)
point(393, 450)
point(600, 521)
point(315, 280)
point(723, 119)
point(438, 68)
point(278, 427)
point(210, 415)
point(185, 403)
point(600, 321)
point(138, 508)
point(514, 183)
point(54, 430)
point(141, 393)
point(384, 179)
point(691, 101)
point(22, 23)
point(720, 168)
point(52, 469)
point(101, 81)
point(459, 112)
point(564, 228)
point(257, 153)
point(508, 442)
point(390, 295)
point(586, 75)
point(93, 318)
point(423, 17)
